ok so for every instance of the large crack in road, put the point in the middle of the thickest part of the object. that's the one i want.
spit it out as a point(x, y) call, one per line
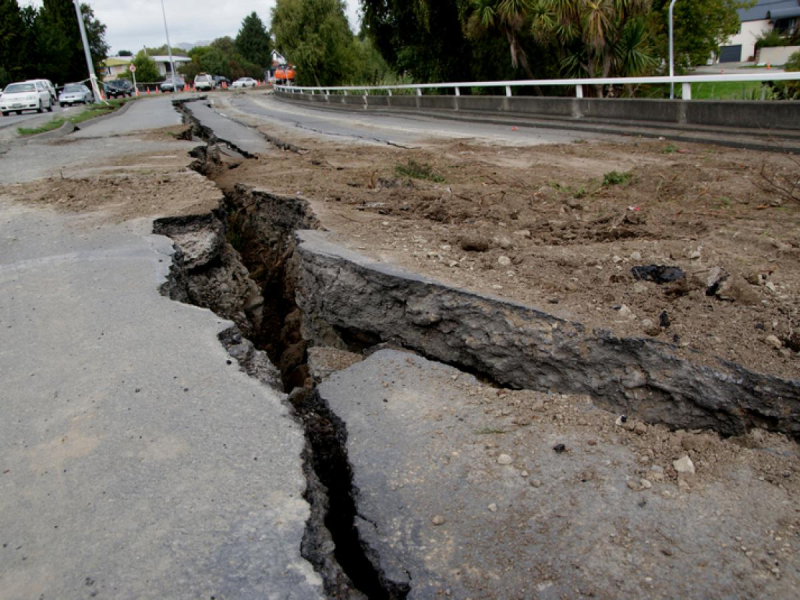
point(261, 260)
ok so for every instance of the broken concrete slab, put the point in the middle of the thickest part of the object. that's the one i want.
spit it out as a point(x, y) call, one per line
point(347, 296)
point(136, 458)
point(246, 140)
point(585, 508)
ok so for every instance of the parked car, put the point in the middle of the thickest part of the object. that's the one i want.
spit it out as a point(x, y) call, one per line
point(73, 93)
point(118, 88)
point(203, 82)
point(25, 95)
point(49, 85)
point(244, 82)
point(167, 86)
point(220, 79)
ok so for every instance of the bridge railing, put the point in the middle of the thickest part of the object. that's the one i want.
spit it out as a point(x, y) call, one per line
point(685, 81)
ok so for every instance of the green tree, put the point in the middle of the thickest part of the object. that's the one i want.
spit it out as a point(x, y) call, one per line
point(59, 48)
point(315, 36)
point(423, 38)
point(507, 16)
point(163, 51)
point(598, 38)
point(124, 53)
point(12, 34)
point(700, 27)
point(253, 42)
point(146, 69)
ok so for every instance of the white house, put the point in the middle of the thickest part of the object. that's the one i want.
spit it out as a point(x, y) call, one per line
point(114, 66)
point(766, 15)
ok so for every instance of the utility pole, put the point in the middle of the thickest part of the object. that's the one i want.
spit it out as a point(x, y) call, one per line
point(671, 54)
point(89, 64)
point(169, 47)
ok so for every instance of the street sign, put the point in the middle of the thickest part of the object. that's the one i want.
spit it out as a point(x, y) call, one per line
point(132, 68)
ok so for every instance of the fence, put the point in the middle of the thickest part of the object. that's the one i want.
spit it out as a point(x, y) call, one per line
point(684, 81)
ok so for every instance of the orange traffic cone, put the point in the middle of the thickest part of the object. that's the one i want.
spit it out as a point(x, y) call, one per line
point(147, 89)
point(769, 66)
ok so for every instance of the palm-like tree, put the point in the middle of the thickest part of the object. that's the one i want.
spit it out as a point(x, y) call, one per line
point(507, 16)
point(599, 38)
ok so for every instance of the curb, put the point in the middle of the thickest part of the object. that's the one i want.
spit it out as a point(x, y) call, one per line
point(69, 127)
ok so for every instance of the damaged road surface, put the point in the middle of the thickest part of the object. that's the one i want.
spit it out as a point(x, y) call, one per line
point(136, 458)
point(344, 427)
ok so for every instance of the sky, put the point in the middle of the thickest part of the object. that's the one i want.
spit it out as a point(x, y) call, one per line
point(136, 23)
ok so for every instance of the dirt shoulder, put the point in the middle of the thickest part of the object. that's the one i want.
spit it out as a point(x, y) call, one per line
point(561, 227)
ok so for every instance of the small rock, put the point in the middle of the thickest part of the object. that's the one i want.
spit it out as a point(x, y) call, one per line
point(695, 254)
point(504, 261)
point(636, 255)
point(640, 428)
point(640, 287)
point(646, 484)
point(773, 341)
point(625, 312)
point(504, 459)
point(633, 486)
point(536, 483)
point(524, 233)
point(504, 242)
point(493, 507)
point(621, 420)
point(663, 320)
point(438, 520)
point(474, 243)
point(559, 448)
point(684, 465)
point(650, 328)
point(524, 474)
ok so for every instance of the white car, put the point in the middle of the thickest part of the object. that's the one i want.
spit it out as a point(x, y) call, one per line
point(244, 82)
point(203, 82)
point(48, 84)
point(25, 95)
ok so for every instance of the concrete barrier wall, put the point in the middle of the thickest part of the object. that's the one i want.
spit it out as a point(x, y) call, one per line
point(776, 56)
point(778, 115)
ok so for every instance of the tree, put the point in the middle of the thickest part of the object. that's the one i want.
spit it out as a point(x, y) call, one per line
point(146, 69)
point(253, 42)
point(315, 36)
point(700, 27)
point(509, 17)
point(423, 38)
point(598, 38)
point(124, 53)
point(11, 36)
point(60, 55)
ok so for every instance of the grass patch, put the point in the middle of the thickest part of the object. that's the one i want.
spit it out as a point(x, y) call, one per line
point(616, 178)
point(669, 149)
point(415, 170)
point(726, 90)
point(90, 112)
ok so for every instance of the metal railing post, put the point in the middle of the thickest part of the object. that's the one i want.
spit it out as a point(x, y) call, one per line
point(419, 91)
point(458, 91)
point(686, 91)
point(508, 91)
point(579, 91)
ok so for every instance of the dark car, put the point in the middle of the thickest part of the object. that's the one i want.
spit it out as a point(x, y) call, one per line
point(220, 79)
point(119, 88)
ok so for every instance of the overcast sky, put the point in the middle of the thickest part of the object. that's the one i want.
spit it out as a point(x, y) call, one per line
point(136, 23)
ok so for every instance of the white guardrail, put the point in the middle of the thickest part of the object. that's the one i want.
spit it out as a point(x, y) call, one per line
point(685, 81)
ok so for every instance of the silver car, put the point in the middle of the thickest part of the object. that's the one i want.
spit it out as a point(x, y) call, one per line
point(74, 93)
point(25, 96)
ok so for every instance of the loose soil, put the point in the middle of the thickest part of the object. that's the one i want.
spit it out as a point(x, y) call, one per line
point(560, 227)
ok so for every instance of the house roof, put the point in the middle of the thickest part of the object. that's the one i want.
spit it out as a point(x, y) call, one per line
point(177, 59)
point(762, 9)
point(116, 61)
